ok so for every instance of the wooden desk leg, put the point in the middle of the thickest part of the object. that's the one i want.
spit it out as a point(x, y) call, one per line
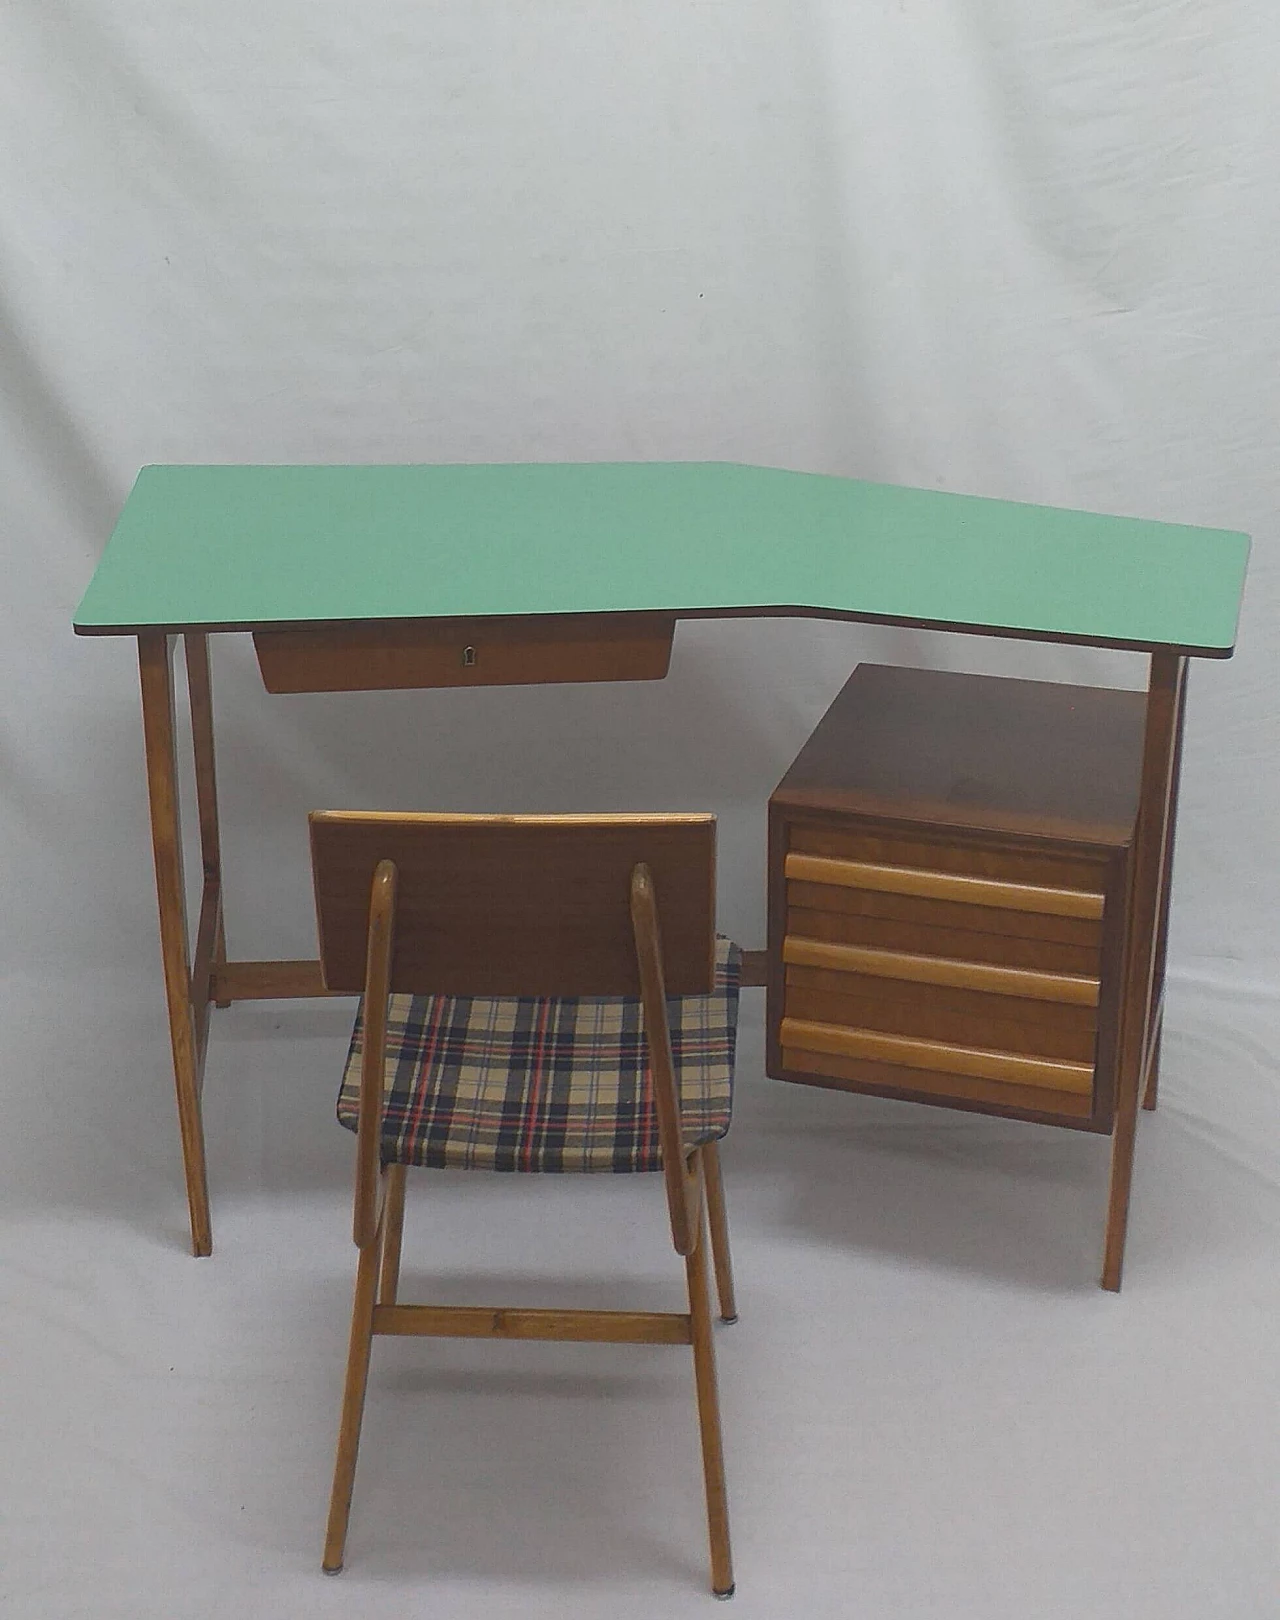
point(200, 692)
point(1156, 1031)
point(1149, 880)
point(166, 836)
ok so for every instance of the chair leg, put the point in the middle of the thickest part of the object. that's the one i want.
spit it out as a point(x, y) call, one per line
point(344, 1471)
point(704, 1368)
point(389, 1281)
point(710, 1153)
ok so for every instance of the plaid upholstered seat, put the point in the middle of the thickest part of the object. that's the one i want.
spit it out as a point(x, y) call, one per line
point(478, 1083)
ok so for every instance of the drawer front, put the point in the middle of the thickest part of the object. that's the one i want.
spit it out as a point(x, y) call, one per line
point(985, 926)
point(466, 652)
point(941, 1012)
point(1010, 869)
point(943, 970)
point(1004, 1096)
point(1043, 1075)
point(816, 913)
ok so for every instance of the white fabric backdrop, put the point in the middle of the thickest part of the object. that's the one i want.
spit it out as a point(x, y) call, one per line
point(1018, 249)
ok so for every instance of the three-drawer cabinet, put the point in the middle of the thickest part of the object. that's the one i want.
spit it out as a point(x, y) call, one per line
point(949, 867)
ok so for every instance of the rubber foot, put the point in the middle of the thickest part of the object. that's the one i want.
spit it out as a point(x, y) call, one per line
point(336, 1570)
point(729, 1320)
point(727, 1593)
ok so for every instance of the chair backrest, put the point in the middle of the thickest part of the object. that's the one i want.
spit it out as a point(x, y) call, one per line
point(515, 905)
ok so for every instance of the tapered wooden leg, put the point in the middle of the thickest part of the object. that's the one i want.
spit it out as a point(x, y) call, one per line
point(1149, 873)
point(1162, 930)
point(389, 1280)
point(220, 954)
point(156, 677)
point(704, 1368)
point(710, 1154)
point(200, 695)
point(344, 1470)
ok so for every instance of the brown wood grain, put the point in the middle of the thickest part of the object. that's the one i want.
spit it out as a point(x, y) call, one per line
point(514, 905)
point(755, 970)
point(1150, 1087)
point(393, 1235)
point(200, 694)
point(270, 981)
point(992, 979)
point(200, 697)
point(1043, 1029)
point(957, 887)
point(467, 652)
point(718, 1225)
point(968, 1093)
point(359, 1345)
point(706, 1384)
point(968, 787)
point(778, 835)
point(935, 747)
point(964, 854)
point(156, 678)
point(208, 941)
point(483, 1322)
point(380, 950)
point(677, 1173)
point(944, 1057)
point(962, 944)
point(909, 909)
point(1151, 871)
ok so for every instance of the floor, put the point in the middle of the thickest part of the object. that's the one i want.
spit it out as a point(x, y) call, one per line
point(930, 1408)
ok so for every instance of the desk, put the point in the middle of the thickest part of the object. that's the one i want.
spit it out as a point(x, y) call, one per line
point(423, 576)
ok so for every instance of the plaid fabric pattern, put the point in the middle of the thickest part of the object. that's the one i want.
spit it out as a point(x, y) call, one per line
point(477, 1083)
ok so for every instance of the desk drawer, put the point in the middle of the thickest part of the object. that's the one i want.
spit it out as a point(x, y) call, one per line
point(808, 1055)
point(908, 925)
point(1059, 884)
point(961, 970)
point(467, 652)
point(937, 1011)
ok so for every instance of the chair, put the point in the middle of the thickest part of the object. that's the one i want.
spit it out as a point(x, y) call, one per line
point(522, 1011)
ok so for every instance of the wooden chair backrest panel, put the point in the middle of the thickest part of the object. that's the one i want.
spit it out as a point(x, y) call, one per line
point(515, 905)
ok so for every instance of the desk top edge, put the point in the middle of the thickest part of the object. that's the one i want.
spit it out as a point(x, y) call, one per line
point(780, 611)
point(657, 493)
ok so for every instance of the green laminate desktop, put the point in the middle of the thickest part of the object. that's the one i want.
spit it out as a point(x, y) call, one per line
point(229, 547)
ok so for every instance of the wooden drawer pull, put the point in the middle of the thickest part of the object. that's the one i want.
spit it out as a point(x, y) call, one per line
point(1001, 981)
point(1050, 1073)
point(944, 886)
